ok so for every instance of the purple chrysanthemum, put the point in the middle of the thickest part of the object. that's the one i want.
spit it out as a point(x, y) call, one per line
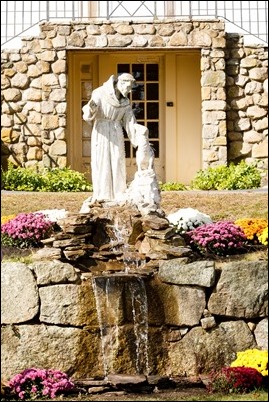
point(26, 230)
point(221, 238)
point(34, 382)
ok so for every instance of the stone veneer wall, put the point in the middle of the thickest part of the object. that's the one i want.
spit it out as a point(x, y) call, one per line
point(247, 102)
point(233, 87)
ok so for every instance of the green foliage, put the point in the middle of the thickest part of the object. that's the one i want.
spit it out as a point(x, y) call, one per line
point(54, 179)
point(22, 179)
point(66, 180)
point(233, 177)
point(172, 186)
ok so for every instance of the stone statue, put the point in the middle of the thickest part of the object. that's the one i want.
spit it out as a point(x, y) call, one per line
point(144, 151)
point(109, 110)
point(144, 190)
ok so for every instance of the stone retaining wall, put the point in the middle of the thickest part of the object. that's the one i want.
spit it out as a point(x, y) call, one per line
point(196, 314)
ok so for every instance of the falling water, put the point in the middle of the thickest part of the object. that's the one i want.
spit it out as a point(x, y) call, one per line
point(108, 292)
point(129, 259)
point(140, 319)
point(107, 306)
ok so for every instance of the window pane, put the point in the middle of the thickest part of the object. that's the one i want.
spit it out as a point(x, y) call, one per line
point(86, 130)
point(152, 91)
point(153, 129)
point(123, 68)
point(138, 109)
point(86, 148)
point(86, 90)
point(152, 72)
point(138, 92)
point(152, 110)
point(138, 72)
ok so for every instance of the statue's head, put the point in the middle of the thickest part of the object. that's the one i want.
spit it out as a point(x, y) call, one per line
point(124, 83)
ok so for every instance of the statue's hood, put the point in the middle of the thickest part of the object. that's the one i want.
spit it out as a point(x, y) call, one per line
point(109, 90)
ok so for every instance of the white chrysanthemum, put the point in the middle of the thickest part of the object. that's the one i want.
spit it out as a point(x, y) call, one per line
point(186, 219)
point(54, 215)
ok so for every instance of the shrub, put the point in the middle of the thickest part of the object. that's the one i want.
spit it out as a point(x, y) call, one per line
point(34, 179)
point(37, 383)
point(210, 178)
point(26, 230)
point(186, 219)
point(172, 186)
point(22, 179)
point(252, 228)
point(66, 179)
point(255, 358)
point(235, 380)
point(221, 238)
point(233, 177)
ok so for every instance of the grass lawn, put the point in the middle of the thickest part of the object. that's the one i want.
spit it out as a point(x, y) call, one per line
point(219, 205)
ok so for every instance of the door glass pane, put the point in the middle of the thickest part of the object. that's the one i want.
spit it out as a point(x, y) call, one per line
point(152, 110)
point(86, 131)
point(152, 72)
point(138, 92)
point(123, 68)
point(153, 91)
point(86, 148)
point(138, 109)
point(138, 72)
point(86, 89)
point(153, 129)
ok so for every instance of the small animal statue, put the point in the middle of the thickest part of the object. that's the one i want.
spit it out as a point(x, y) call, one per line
point(144, 151)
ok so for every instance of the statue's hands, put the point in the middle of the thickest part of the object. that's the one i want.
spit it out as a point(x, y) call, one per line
point(89, 111)
point(93, 106)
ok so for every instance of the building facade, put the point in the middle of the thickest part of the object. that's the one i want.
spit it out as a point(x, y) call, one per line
point(200, 90)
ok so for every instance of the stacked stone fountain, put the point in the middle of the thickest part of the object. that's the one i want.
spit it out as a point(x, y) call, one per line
point(200, 312)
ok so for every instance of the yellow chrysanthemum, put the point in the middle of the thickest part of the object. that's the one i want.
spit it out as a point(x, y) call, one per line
point(253, 358)
point(6, 218)
point(263, 237)
point(252, 228)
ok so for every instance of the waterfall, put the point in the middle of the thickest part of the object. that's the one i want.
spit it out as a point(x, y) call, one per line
point(107, 307)
point(108, 292)
point(140, 319)
point(130, 260)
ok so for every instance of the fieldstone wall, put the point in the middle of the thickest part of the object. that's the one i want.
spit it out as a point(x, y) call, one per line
point(233, 87)
point(247, 102)
point(194, 314)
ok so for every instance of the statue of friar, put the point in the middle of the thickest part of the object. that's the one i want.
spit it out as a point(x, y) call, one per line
point(110, 111)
